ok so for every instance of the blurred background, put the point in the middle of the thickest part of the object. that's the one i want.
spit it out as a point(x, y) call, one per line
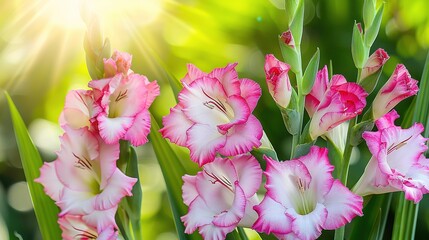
point(42, 58)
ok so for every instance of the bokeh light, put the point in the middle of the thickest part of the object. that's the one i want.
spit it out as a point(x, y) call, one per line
point(18, 197)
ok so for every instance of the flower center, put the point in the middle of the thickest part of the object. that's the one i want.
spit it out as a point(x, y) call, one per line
point(217, 104)
point(84, 164)
point(304, 206)
point(221, 180)
point(116, 104)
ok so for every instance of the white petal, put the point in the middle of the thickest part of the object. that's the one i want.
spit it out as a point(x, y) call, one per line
point(175, 126)
point(272, 217)
point(309, 226)
point(342, 206)
point(249, 173)
point(199, 214)
point(113, 129)
point(204, 141)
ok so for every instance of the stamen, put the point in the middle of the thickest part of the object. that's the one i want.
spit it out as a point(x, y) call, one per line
point(82, 163)
point(222, 180)
point(214, 103)
point(121, 95)
point(397, 146)
point(302, 188)
point(84, 234)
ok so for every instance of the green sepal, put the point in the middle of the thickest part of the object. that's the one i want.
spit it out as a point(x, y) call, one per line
point(290, 10)
point(290, 115)
point(297, 25)
point(303, 149)
point(358, 129)
point(369, 83)
point(372, 32)
point(44, 207)
point(310, 73)
point(290, 56)
point(259, 154)
point(359, 51)
point(368, 12)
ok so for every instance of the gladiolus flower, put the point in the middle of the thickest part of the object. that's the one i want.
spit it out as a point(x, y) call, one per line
point(214, 114)
point(84, 179)
point(120, 62)
point(341, 102)
point(125, 100)
point(303, 198)
point(397, 163)
point(399, 86)
point(374, 63)
point(278, 82)
point(222, 196)
point(74, 227)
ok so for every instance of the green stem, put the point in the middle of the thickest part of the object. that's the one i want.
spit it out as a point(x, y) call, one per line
point(242, 233)
point(300, 110)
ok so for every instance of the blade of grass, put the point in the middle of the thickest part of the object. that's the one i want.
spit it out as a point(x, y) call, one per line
point(45, 209)
point(172, 171)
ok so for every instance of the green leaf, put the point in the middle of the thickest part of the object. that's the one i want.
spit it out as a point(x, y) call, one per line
point(290, 9)
point(297, 24)
point(310, 73)
point(45, 209)
point(372, 32)
point(172, 170)
point(290, 56)
point(359, 51)
point(368, 12)
point(291, 115)
point(358, 129)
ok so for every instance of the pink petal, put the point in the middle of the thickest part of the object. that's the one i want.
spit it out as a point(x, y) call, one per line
point(251, 92)
point(109, 153)
point(283, 179)
point(189, 189)
point(241, 113)
point(205, 101)
point(272, 217)
point(49, 179)
point(119, 185)
point(211, 232)
point(249, 172)
point(203, 142)
point(113, 129)
point(228, 77)
point(233, 216)
point(320, 86)
point(137, 133)
point(102, 219)
point(242, 138)
point(308, 226)
point(192, 74)
point(199, 214)
point(317, 163)
point(342, 206)
point(175, 126)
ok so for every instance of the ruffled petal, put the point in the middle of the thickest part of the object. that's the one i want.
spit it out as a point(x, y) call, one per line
point(102, 219)
point(243, 137)
point(342, 206)
point(189, 189)
point(232, 216)
point(199, 214)
point(272, 217)
point(211, 232)
point(228, 77)
point(119, 185)
point(251, 91)
point(49, 179)
point(137, 133)
point(241, 113)
point(113, 129)
point(249, 173)
point(193, 73)
point(309, 226)
point(203, 141)
point(175, 126)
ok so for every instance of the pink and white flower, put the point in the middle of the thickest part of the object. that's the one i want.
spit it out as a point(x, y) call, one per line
point(120, 62)
point(303, 198)
point(399, 86)
point(341, 102)
point(222, 196)
point(74, 227)
point(125, 102)
point(287, 38)
point(276, 73)
point(214, 114)
point(398, 163)
point(84, 179)
point(80, 110)
point(374, 63)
